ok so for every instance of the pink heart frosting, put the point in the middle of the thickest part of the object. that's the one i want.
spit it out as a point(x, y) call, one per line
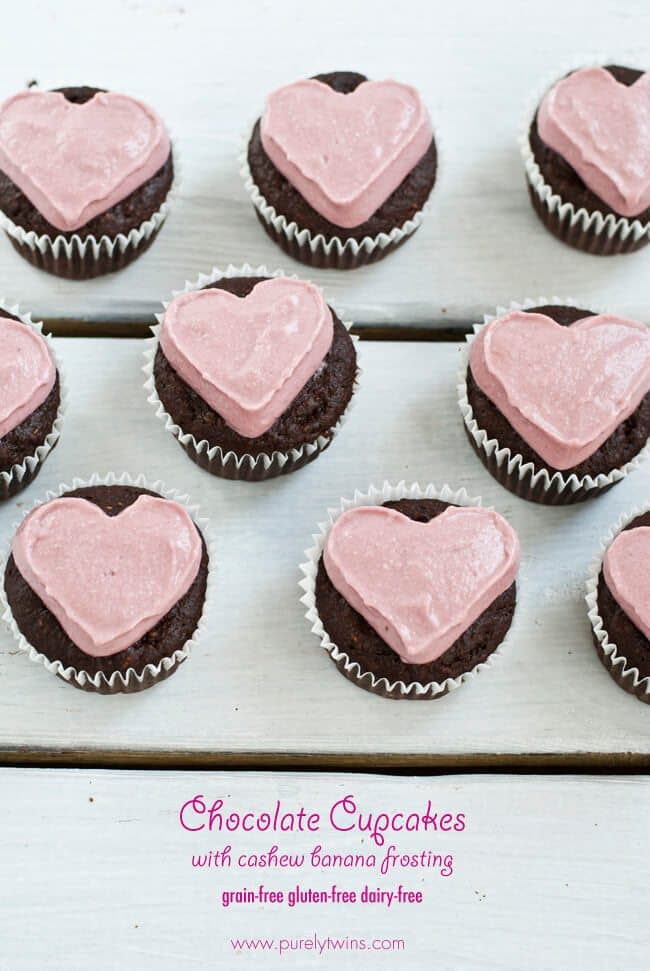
point(563, 389)
point(602, 128)
point(345, 153)
point(248, 357)
point(75, 161)
point(421, 585)
point(108, 579)
point(626, 569)
point(27, 373)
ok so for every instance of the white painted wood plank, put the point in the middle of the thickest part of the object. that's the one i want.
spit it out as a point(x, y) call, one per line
point(548, 873)
point(260, 681)
point(207, 66)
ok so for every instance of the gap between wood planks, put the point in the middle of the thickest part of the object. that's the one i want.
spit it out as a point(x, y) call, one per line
point(552, 763)
point(446, 331)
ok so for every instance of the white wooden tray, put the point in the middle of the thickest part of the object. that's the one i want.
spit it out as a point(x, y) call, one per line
point(207, 67)
point(548, 874)
point(259, 687)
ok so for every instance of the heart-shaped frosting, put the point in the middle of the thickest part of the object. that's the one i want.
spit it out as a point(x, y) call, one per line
point(248, 357)
point(75, 161)
point(27, 373)
point(345, 153)
point(626, 569)
point(421, 585)
point(108, 579)
point(602, 128)
point(563, 389)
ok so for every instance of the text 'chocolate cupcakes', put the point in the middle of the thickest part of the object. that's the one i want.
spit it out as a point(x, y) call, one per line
point(618, 604)
point(252, 373)
point(85, 176)
point(586, 151)
point(556, 399)
point(340, 168)
point(32, 400)
point(105, 583)
point(411, 591)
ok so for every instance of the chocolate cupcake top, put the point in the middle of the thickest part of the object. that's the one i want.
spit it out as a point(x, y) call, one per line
point(248, 357)
point(626, 571)
point(597, 120)
point(421, 584)
point(76, 153)
point(563, 385)
point(27, 373)
point(107, 575)
point(345, 153)
point(341, 155)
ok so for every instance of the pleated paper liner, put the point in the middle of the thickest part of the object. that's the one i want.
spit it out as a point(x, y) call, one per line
point(131, 680)
point(212, 458)
point(366, 679)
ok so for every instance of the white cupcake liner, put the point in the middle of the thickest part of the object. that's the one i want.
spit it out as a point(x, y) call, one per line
point(19, 476)
point(589, 230)
point(395, 690)
point(329, 252)
point(520, 477)
point(232, 465)
point(78, 257)
point(130, 680)
point(625, 675)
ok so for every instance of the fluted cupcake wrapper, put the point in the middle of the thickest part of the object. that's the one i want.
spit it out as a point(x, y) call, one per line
point(212, 458)
point(131, 680)
point(19, 476)
point(611, 656)
point(332, 252)
point(590, 231)
point(367, 679)
point(522, 478)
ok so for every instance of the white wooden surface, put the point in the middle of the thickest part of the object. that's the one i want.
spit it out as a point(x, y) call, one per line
point(550, 873)
point(207, 67)
point(259, 681)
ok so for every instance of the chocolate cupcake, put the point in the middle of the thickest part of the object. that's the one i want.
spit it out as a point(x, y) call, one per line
point(85, 176)
point(587, 158)
point(31, 400)
point(618, 601)
point(251, 373)
point(556, 399)
point(339, 168)
point(411, 592)
point(105, 584)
